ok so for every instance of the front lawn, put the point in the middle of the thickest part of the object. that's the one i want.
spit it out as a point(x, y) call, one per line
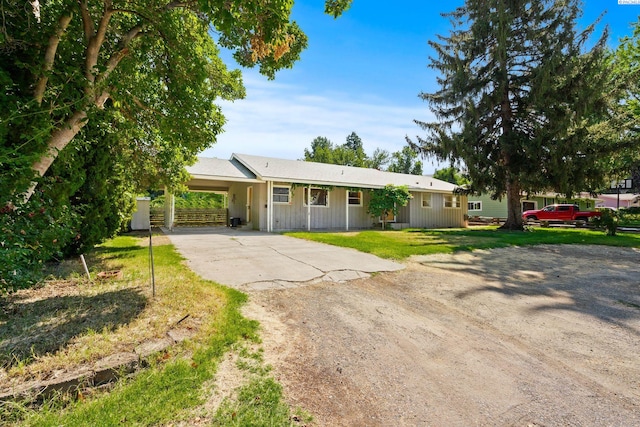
point(68, 323)
point(404, 243)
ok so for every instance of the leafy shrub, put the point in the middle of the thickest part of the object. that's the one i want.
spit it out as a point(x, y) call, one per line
point(629, 216)
point(608, 221)
point(32, 234)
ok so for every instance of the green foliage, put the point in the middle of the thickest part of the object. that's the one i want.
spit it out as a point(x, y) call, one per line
point(378, 159)
point(608, 220)
point(91, 179)
point(193, 200)
point(336, 7)
point(121, 95)
point(351, 153)
point(451, 174)
point(32, 234)
point(626, 70)
point(521, 102)
point(405, 161)
point(386, 201)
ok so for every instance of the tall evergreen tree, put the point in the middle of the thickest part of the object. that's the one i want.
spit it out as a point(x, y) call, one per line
point(519, 98)
point(451, 174)
point(356, 151)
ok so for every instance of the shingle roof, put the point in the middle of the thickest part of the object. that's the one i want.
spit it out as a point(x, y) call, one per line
point(244, 167)
point(301, 172)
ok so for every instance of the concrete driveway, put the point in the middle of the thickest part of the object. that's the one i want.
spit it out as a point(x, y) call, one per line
point(253, 260)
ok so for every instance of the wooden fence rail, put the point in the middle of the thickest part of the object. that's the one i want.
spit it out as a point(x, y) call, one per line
point(191, 217)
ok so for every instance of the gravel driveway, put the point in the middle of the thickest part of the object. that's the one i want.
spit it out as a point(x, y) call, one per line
point(540, 336)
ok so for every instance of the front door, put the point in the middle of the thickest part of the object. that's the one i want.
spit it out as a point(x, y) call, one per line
point(249, 202)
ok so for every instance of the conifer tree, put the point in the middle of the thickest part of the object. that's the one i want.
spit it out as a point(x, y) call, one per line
point(520, 99)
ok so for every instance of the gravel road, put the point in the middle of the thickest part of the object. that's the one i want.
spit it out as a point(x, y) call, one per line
point(537, 336)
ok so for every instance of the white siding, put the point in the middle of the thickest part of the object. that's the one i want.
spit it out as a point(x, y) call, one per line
point(333, 217)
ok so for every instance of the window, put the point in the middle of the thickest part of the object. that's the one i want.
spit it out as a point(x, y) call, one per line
point(426, 200)
point(474, 206)
point(451, 201)
point(355, 198)
point(281, 194)
point(319, 197)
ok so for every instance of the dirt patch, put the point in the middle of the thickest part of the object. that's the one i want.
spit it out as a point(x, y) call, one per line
point(546, 335)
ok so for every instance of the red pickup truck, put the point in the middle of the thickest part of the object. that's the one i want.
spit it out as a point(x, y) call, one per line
point(559, 213)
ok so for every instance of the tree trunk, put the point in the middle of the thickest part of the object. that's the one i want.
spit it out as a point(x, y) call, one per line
point(514, 210)
point(59, 139)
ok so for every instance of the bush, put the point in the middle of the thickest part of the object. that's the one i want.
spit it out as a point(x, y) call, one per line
point(608, 221)
point(32, 234)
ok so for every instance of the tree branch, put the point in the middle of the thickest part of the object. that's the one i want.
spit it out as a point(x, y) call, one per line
point(115, 59)
point(87, 22)
point(95, 42)
point(50, 55)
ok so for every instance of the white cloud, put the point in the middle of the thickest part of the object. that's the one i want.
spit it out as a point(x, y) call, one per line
point(281, 120)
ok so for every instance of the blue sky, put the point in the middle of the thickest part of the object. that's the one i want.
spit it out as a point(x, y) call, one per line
point(361, 73)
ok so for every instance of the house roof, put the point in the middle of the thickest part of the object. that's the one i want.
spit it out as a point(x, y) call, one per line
point(301, 172)
point(220, 169)
point(627, 197)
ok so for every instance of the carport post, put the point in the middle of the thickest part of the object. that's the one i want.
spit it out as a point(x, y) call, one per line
point(169, 209)
point(346, 210)
point(269, 205)
point(308, 208)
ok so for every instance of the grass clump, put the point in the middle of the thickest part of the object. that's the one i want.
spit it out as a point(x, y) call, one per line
point(404, 243)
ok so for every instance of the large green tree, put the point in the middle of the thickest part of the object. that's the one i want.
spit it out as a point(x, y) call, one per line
point(522, 102)
point(152, 61)
point(626, 60)
point(405, 161)
point(351, 153)
point(100, 98)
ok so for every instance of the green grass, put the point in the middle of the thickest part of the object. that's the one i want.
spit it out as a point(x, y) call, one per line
point(402, 244)
point(259, 404)
point(175, 385)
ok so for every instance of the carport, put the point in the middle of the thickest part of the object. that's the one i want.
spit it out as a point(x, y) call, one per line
point(220, 176)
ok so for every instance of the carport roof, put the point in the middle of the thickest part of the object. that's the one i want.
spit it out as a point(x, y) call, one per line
point(244, 167)
point(220, 169)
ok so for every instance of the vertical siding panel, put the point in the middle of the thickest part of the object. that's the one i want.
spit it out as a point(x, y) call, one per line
point(437, 216)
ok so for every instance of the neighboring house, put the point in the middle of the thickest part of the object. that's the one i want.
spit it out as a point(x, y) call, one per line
point(626, 200)
point(273, 194)
point(484, 206)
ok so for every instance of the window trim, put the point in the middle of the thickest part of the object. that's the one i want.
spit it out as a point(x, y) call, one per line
point(422, 200)
point(273, 194)
point(479, 202)
point(349, 198)
point(304, 198)
point(451, 198)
